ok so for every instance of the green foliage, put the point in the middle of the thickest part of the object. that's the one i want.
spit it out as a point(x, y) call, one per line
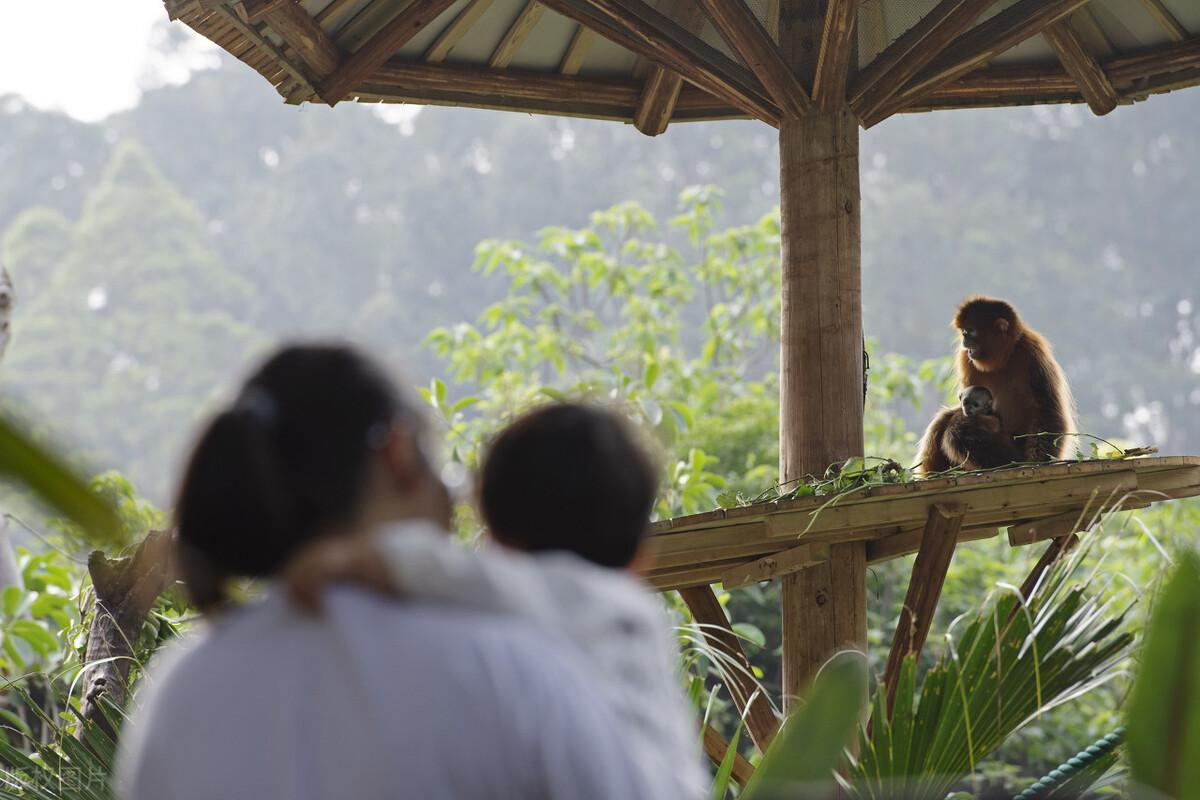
point(1164, 712)
point(44, 473)
point(59, 766)
point(801, 759)
point(1010, 664)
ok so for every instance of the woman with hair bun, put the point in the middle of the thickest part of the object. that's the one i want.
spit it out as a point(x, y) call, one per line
point(374, 699)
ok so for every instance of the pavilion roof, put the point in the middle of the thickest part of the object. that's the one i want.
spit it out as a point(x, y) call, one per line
point(651, 62)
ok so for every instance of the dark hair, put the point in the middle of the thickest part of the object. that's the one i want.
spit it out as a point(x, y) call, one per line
point(569, 477)
point(285, 462)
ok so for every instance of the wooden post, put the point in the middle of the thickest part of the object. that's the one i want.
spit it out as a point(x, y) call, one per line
point(821, 399)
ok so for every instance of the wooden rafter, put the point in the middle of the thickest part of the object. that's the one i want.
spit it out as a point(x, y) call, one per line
point(661, 91)
point(978, 46)
point(376, 51)
point(938, 541)
point(300, 87)
point(1170, 58)
point(751, 40)
point(641, 29)
point(1094, 85)
point(912, 52)
point(1163, 16)
point(334, 14)
point(516, 34)
point(456, 30)
point(833, 63)
point(298, 30)
point(760, 718)
point(577, 50)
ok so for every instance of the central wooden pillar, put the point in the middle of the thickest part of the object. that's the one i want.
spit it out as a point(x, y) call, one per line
point(821, 367)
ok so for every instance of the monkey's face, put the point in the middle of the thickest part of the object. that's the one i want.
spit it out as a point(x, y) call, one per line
point(975, 400)
point(987, 341)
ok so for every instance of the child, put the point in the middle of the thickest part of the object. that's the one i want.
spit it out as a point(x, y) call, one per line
point(566, 493)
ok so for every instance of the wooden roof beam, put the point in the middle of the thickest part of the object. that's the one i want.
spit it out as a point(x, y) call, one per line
point(376, 51)
point(833, 60)
point(298, 30)
point(913, 51)
point(1166, 20)
point(750, 40)
point(981, 44)
point(516, 34)
point(1094, 85)
point(656, 106)
point(456, 30)
point(638, 27)
point(581, 42)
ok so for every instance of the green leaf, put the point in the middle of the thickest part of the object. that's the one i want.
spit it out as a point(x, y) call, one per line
point(650, 375)
point(809, 747)
point(750, 633)
point(48, 476)
point(1164, 710)
point(463, 404)
point(725, 770)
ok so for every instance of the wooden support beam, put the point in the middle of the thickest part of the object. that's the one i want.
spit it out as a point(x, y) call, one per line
point(1057, 549)
point(715, 747)
point(978, 46)
point(1154, 61)
point(912, 51)
point(638, 27)
point(1094, 85)
point(376, 51)
point(775, 566)
point(657, 103)
point(335, 14)
point(581, 42)
point(761, 721)
point(751, 40)
point(299, 31)
point(909, 542)
point(833, 63)
point(1162, 15)
point(456, 30)
point(938, 541)
point(516, 34)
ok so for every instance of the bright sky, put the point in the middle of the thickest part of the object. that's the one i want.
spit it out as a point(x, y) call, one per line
point(85, 57)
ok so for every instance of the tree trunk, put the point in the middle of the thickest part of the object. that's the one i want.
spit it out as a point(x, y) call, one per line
point(126, 589)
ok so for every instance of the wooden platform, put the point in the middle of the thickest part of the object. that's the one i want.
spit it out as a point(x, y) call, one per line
point(741, 545)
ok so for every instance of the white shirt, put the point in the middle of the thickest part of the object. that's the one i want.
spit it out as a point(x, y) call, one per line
point(613, 619)
point(372, 700)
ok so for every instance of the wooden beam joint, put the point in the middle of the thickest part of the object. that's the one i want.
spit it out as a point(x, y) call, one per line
point(1094, 85)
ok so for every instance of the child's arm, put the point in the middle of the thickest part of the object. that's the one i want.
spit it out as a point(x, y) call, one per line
point(421, 561)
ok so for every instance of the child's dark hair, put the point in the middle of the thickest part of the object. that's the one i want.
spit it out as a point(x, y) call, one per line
point(569, 477)
point(283, 464)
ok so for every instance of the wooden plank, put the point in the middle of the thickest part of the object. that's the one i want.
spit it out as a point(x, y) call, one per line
point(752, 704)
point(908, 542)
point(1093, 84)
point(373, 54)
point(977, 47)
point(751, 40)
point(833, 63)
point(912, 51)
point(638, 27)
point(1051, 528)
point(1166, 20)
point(335, 14)
point(271, 53)
point(456, 30)
point(775, 565)
point(1154, 61)
point(299, 31)
point(581, 42)
point(715, 747)
point(938, 541)
point(516, 34)
point(662, 87)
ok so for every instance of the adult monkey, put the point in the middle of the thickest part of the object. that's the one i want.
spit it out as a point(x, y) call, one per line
point(1030, 395)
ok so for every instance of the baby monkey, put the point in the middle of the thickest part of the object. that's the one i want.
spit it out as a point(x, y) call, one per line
point(977, 402)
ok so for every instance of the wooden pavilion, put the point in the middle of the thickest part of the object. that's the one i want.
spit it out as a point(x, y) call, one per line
point(818, 70)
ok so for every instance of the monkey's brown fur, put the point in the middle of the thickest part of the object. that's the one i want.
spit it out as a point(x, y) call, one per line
point(1030, 395)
